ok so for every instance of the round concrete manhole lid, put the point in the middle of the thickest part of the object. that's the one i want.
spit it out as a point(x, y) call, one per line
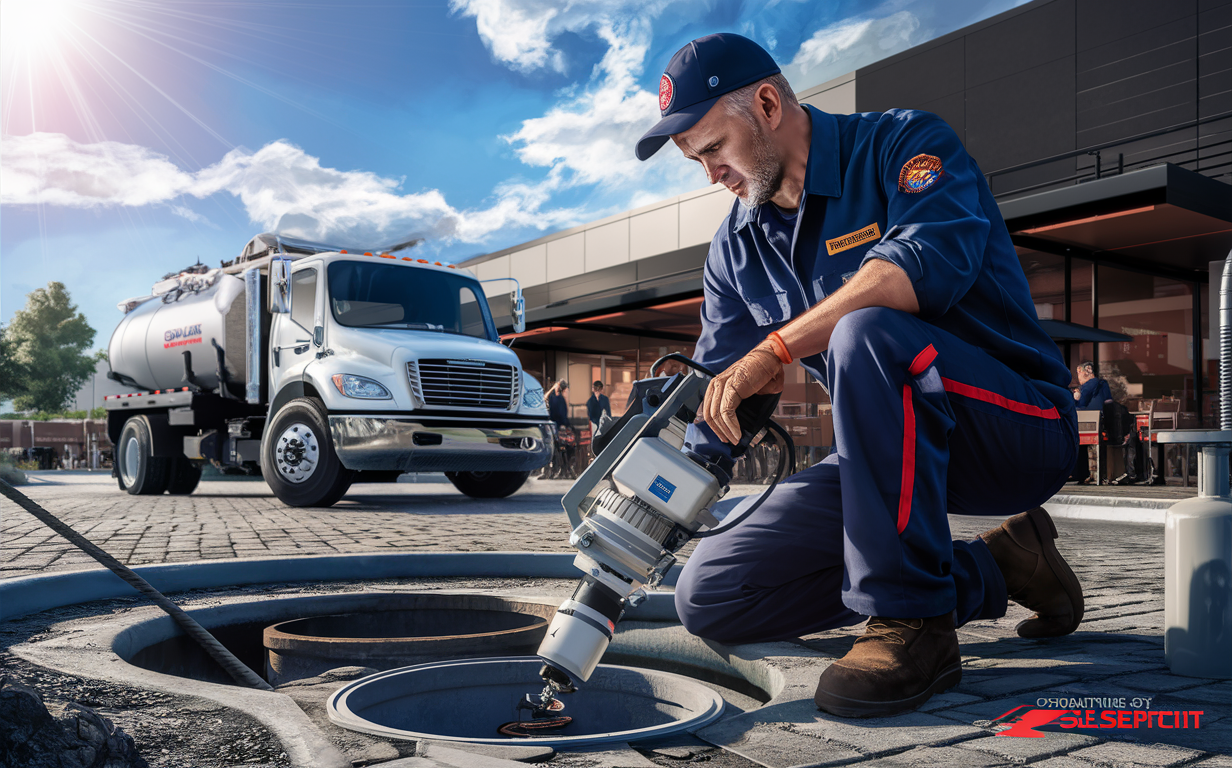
point(468, 700)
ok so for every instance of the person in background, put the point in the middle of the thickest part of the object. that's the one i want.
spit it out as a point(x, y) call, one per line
point(596, 406)
point(1091, 394)
point(558, 412)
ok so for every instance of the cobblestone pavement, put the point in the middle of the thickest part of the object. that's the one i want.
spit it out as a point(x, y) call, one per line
point(1117, 653)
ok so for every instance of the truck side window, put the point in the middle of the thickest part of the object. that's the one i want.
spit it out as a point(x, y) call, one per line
point(304, 297)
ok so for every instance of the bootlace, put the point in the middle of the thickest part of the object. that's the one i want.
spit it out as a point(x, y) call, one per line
point(883, 628)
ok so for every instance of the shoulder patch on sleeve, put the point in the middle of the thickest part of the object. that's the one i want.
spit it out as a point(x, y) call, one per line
point(919, 173)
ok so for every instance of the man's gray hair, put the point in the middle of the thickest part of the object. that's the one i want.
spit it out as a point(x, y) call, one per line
point(1087, 365)
point(739, 103)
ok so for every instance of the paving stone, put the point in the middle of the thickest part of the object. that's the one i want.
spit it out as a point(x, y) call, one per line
point(468, 755)
point(768, 742)
point(1132, 755)
point(875, 736)
point(1061, 762)
point(1156, 682)
point(614, 756)
point(1016, 749)
point(937, 757)
point(1218, 693)
point(950, 698)
point(998, 683)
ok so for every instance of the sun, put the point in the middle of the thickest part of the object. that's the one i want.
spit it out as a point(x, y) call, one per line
point(30, 26)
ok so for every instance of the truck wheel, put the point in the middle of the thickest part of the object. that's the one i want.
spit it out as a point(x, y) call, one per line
point(140, 472)
point(184, 477)
point(487, 485)
point(298, 459)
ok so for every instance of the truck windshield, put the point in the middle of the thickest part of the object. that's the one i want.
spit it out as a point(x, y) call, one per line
point(373, 295)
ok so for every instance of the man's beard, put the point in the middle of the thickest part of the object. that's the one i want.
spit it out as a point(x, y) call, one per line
point(766, 176)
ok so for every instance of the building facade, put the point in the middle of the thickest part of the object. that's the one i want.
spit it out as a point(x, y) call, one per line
point(1104, 128)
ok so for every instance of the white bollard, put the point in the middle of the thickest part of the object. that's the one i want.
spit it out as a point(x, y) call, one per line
point(1198, 574)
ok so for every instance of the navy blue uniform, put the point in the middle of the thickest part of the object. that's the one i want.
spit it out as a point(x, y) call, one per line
point(1093, 394)
point(961, 408)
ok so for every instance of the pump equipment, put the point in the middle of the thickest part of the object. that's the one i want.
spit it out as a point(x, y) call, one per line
point(642, 499)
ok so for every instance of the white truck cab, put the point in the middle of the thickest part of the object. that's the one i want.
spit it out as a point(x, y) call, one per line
point(355, 366)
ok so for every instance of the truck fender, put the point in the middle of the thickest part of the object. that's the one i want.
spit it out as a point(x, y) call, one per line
point(289, 392)
point(293, 389)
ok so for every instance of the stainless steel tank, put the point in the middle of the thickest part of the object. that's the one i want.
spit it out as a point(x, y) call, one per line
point(148, 345)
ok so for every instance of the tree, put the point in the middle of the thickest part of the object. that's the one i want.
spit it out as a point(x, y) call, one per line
point(12, 372)
point(49, 341)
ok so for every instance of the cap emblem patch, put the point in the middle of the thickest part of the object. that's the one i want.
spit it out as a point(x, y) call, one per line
point(919, 173)
point(667, 90)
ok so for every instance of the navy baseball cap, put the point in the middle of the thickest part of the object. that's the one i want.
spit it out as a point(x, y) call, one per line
point(697, 76)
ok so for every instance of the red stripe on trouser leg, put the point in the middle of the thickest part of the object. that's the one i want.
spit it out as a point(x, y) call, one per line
point(966, 390)
point(904, 497)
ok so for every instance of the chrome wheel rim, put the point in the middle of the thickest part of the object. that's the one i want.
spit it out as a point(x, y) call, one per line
point(297, 453)
point(132, 458)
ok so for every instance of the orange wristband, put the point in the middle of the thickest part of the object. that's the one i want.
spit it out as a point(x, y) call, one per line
point(780, 347)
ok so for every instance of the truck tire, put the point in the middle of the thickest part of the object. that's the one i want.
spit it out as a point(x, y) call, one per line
point(487, 485)
point(184, 476)
point(298, 459)
point(140, 472)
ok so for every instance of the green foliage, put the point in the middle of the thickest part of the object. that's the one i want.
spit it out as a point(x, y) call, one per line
point(12, 373)
point(93, 413)
point(49, 340)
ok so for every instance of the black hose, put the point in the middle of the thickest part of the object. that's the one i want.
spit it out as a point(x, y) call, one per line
point(681, 359)
point(787, 467)
point(234, 667)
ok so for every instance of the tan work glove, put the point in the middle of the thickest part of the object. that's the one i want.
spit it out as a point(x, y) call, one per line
point(760, 372)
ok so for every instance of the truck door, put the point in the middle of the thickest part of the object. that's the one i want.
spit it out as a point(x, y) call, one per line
point(291, 348)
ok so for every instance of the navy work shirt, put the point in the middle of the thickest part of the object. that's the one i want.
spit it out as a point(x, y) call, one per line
point(897, 186)
point(596, 406)
point(1094, 393)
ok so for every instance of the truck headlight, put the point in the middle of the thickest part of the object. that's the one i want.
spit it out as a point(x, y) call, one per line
point(532, 395)
point(361, 387)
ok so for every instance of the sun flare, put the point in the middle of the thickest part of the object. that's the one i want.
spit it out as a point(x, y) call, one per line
point(29, 26)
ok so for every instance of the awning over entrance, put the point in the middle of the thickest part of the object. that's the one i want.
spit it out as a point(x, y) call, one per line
point(1164, 220)
point(1060, 330)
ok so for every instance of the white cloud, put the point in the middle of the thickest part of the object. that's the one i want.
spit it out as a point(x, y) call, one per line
point(589, 138)
point(519, 33)
point(847, 45)
point(282, 188)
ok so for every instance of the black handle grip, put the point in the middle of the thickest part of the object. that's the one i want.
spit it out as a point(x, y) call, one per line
point(753, 413)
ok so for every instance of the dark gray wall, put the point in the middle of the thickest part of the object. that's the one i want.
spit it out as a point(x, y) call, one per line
point(1059, 75)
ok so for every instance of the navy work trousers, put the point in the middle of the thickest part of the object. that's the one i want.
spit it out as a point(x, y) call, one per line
point(925, 424)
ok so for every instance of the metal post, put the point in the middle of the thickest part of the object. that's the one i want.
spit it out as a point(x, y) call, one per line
point(1225, 345)
point(1195, 349)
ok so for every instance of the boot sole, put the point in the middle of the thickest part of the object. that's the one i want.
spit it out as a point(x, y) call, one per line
point(842, 706)
point(1047, 532)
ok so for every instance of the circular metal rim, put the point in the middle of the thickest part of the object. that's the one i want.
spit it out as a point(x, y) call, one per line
point(340, 714)
point(295, 475)
point(132, 456)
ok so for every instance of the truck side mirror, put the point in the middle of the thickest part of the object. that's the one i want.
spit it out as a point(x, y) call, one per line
point(517, 308)
point(318, 335)
point(280, 286)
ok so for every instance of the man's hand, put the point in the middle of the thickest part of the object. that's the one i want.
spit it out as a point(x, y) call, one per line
point(760, 372)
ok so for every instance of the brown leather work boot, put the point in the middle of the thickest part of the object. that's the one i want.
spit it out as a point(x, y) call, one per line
point(897, 665)
point(1036, 576)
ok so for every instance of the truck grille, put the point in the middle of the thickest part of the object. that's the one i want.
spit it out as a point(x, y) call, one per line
point(464, 384)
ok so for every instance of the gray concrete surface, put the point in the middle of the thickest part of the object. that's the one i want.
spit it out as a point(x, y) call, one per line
point(1118, 652)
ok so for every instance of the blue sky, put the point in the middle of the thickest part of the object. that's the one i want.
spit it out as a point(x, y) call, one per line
point(141, 135)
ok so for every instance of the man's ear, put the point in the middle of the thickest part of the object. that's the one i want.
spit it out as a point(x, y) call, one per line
point(768, 106)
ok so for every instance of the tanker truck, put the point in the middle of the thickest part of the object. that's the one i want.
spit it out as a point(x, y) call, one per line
point(317, 367)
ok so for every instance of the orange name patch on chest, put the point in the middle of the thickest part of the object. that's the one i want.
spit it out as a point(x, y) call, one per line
point(860, 236)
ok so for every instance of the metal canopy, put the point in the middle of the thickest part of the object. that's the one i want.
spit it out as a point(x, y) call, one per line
point(1163, 219)
point(1060, 330)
